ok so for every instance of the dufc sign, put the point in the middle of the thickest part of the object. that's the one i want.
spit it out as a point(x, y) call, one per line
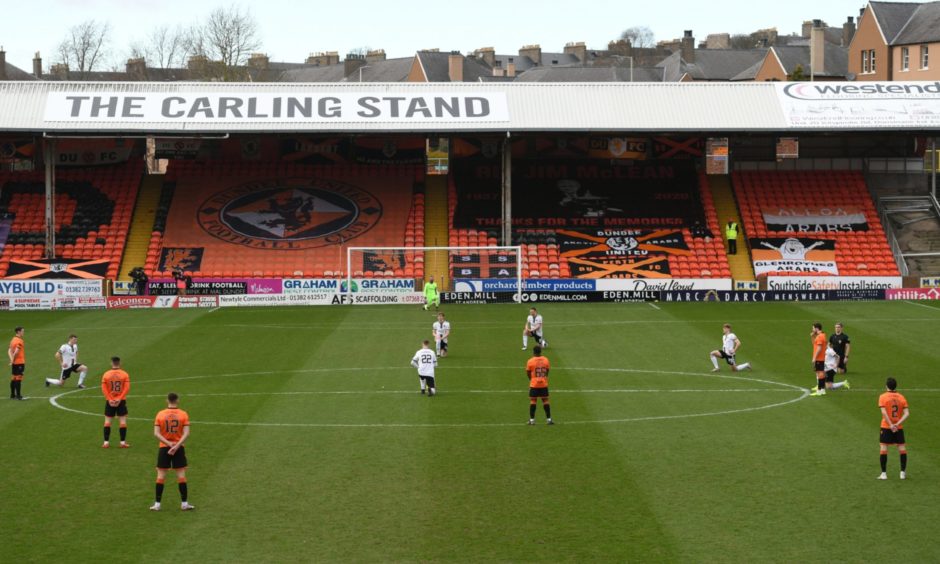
point(272, 107)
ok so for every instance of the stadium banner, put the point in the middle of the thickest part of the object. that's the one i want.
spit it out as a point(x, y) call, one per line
point(812, 256)
point(579, 194)
point(531, 284)
point(631, 148)
point(197, 301)
point(58, 268)
point(869, 105)
point(43, 303)
point(665, 285)
point(92, 152)
point(600, 243)
point(930, 282)
point(620, 267)
point(169, 148)
point(815, 220)
point(772, 296)
point(913, 294)
point(179, 108)
point(375, 298)
point(131, 302)
point(336, 285)
point(217, 286)
point(52, 288)
point(249, 300)
point(123, 288)
point(90, 302)
point(548, 297)
point(790, 283)
point(182, 258)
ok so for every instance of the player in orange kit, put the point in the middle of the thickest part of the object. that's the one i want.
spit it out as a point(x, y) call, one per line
point(114, 385)
point(537, 370)
point(17, 354)
point(819, 358)
point(894, 412)
point(171, 427)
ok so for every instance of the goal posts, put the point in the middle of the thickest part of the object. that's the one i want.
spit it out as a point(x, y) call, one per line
point(495, 270)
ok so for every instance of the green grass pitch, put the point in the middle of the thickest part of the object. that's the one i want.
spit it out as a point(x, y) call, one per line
point(310, 442)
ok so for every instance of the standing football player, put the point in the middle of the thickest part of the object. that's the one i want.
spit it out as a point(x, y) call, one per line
point(729, 348)
point(114, 385)
point(819, 358)
point(536, 370)
point(894, 412)
point(171, 428)
point(441, 331)
point(425, 360)
point(533, 328)
point(67, 356)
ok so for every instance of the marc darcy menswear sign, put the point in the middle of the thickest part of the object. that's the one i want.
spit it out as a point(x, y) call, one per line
point(192, 107)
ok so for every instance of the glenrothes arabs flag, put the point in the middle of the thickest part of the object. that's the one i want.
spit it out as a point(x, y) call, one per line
point(58, 268)
point(815, 220)
point(812, 256)
point(621, 242)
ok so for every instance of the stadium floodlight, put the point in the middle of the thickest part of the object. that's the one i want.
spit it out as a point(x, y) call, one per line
point(497, 269)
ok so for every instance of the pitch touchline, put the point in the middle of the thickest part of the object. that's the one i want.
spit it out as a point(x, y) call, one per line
point(804, 393)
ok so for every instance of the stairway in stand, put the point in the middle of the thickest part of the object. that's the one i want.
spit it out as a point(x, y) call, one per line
point(727, 209)
point(436, 231)
point(138, 240)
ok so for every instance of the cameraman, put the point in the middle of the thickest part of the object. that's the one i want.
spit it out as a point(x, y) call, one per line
point(140, 279)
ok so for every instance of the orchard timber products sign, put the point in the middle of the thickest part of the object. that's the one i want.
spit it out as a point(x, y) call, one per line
point(272, 107)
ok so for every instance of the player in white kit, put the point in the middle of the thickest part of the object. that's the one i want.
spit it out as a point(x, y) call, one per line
point(441, 331)
point(533, 328)
point(67, 355)
point(425, 360)
point(729, 348)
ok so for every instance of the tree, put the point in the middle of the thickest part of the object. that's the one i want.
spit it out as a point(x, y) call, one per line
point(85, 47)
point(743, 41)
point(799, 74)
point(639, 36)
point(225, 41)
point(165, 47)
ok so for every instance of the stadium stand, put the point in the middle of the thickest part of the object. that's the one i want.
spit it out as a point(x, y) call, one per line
point(93, 210)
point(858, 252)
point(542, 258)
point(200, 189)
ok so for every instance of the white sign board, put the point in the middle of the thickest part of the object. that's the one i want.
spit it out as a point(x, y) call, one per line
point(794, 283)
point(662, 285)
point(860, 105)
point(162, 108)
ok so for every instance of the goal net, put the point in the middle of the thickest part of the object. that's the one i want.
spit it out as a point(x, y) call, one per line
point(462, 274)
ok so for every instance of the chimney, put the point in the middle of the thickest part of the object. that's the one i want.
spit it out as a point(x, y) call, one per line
point(375, 56)
point(511, 70)
point(579, 50)
point(718, 41)
point(455, 66)
point(37, 65)
point(197, 62)
point(620, 47)
point(533, 52)
point(807, 29)
point(258, 61)
point(322, 59)
point(848, 31)
point(136, 69)
point(352, 63)
point(817, 49)
point(3, 64)
point(688, 47)
point(487, 54)
point(763, 43)
point(60, 71)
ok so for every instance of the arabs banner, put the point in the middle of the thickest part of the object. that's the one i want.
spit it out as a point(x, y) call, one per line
point(621, 243)
point(812, 256)
point(58, 268)
point(815, 220)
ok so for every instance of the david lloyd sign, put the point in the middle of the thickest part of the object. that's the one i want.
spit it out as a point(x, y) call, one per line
point(273, 107)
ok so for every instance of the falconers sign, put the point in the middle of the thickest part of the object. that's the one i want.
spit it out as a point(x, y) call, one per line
point(274, 107)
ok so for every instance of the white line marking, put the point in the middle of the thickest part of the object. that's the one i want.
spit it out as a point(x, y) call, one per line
point(804, 393)
point(652, 305)
point(921, 305)
point(454, 392)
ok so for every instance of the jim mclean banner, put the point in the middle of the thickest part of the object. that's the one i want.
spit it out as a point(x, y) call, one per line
point(274, 107)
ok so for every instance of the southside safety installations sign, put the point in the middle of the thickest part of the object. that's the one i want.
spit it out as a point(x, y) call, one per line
point(271, 107)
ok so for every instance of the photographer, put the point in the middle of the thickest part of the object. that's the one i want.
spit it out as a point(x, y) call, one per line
point(140, 279)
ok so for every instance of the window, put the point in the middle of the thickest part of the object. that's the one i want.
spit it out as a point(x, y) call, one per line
point(905, 59)
point(871, 60)
point(864, 62)
point(923, 57)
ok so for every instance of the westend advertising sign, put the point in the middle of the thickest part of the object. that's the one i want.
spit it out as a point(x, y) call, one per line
point(868, 105)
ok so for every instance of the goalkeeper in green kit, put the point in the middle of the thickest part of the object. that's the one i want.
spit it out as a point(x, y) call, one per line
point(431, 295)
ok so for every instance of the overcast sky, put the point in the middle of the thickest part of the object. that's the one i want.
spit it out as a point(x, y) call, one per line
point(290, 30)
